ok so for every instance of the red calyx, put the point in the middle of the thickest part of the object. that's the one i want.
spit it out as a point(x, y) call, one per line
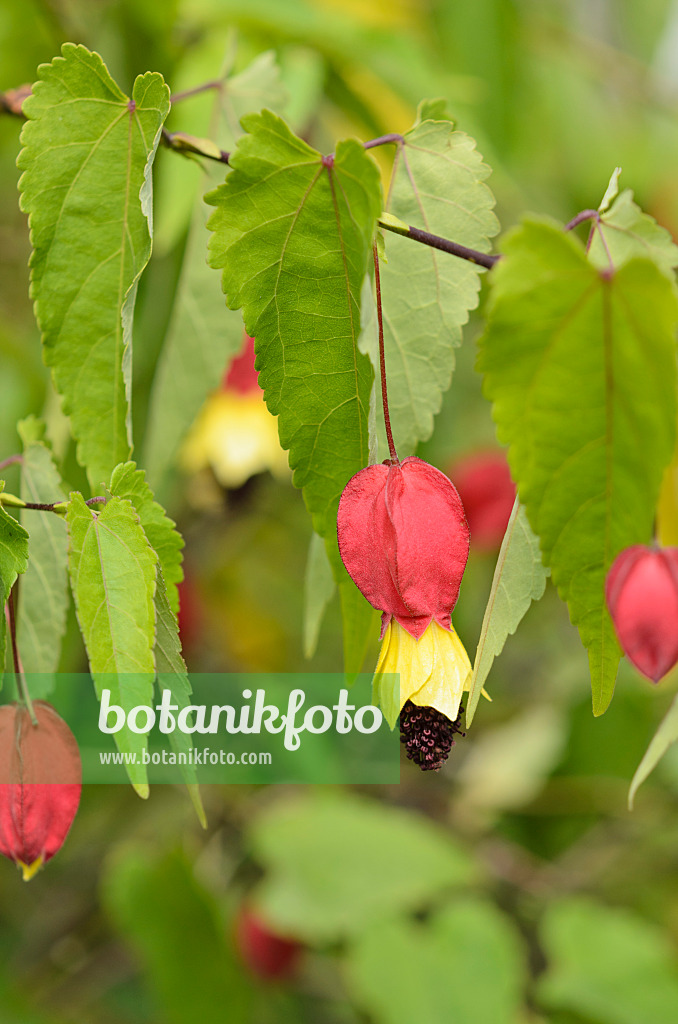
point(241, 375)
point(487, 493)
point(642, 596)
point(40, 784)
point(266, 954)
point(404, 540)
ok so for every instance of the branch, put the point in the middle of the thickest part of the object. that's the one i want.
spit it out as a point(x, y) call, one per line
point(482, 259)
point(58, 507)
point(182, 142)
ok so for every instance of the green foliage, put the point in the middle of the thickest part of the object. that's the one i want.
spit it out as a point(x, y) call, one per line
point(113, 573)
point(519, 579)
point(666, 734)
point(438, 184)
point(174, 923)
point(86, 186)
point(608, 965)
point(293, 234)
point(13, 560)
point(321, 853)
point(629, 232)
point(172, 675)
point(583, 384)
point(203, 335)
point(129, 483)
point(319, 588)
point(44, 591)
point(465, 964)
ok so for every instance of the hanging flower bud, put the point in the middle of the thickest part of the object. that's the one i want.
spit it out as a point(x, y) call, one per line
point(487, 491)
point(267, 954)
point(40, 783)
point(404, 540)
point(642, 596)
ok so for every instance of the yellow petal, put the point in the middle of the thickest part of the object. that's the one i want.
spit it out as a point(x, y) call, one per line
point(434, 670)
point(30, 870)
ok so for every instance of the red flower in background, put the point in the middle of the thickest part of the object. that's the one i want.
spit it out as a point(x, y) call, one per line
point(642, 596)
point(235, 434)
point(488, 493)
point(267, 955)
point(40, 784)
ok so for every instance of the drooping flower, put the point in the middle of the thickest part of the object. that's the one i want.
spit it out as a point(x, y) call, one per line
point(235, 434)
point(404, 540)
point(40, 784)
point(642, 596)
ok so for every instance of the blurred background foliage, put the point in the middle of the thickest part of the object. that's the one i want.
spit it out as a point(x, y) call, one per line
point(514, 886)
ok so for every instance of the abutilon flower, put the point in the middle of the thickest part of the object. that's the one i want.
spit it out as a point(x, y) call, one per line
point(235, 434)
point(404, 540)
point(642, 596)
point(40, 784)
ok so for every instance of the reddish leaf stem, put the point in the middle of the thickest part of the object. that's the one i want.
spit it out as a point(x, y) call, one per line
point(177, 97)
point(11, 461)
point(18, 667)
point(382, 362)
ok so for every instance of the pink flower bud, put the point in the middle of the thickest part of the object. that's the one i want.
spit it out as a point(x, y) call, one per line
point(40, 783)
point(642, 596)
point(404, 540)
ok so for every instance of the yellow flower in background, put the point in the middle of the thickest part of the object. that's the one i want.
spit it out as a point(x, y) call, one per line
point(235, 434)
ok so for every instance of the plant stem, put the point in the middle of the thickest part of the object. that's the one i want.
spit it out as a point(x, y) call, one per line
point(383, 140)
point(181, 144)
point(177, 97)
point(597, 225)
point(18, 667)
point(11, 461)
point(382, 362)
point(58, 507)
point(482, 259)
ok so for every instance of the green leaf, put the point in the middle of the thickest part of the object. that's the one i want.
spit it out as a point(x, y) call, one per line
point(465, 964)
point(319, 588)
point(130, 483)
point(611, 192)
point(175, 925)
point(172, 676)
point(360, 624)
point(438, 184)
point(608, 964)
point(666, 734)
point(583, 383)
point(629, 233)
point(293, 234)
point(86, 186)
point(323, 852)
point(203, 336)
point(519, 579)
point(13, 560)
point(507, 765)
point(43, 599)
point(113, 574)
